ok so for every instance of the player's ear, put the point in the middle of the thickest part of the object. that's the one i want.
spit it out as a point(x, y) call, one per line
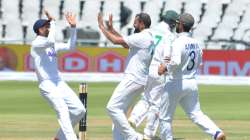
point(143, 26)
point(39, 31)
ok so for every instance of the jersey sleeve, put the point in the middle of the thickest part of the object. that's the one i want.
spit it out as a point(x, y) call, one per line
point(52, 32)
point(156, 61)
point(70, 45)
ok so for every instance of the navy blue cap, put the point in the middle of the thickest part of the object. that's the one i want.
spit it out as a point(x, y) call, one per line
point(39, 23)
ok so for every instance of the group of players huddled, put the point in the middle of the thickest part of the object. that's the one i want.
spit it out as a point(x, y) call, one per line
point(162, 63)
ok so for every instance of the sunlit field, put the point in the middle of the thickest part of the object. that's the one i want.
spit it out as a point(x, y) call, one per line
point(25, 115)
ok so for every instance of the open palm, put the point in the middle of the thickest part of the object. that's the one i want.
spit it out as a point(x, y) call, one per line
point(71, 18)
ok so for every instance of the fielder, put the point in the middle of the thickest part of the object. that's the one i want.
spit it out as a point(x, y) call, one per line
point(135, 76)
point(149, 105)
point(181, 86)
point(58, 94)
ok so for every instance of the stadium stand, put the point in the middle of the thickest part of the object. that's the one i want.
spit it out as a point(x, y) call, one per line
point(194, 7)
point(230, 20)
point(29, 17)
point(244, 26)
point(220, 24)
point(12, 21)
point(209, 21)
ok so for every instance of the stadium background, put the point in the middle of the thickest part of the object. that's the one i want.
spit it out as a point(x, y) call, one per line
point(222, 25)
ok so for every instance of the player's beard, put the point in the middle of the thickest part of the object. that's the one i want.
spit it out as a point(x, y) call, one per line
point(137, 30)
point(47, 34)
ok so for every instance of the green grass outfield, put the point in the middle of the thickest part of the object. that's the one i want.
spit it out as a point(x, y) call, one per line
point(25, 115)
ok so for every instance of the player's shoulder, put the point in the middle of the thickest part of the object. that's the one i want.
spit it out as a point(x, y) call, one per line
point(162, 26)
point(171, 35)
point(146, 31)
point(185, 38)
point(39, 41)
point(145, 34)
point(194, 40)
point(35, 42)
point(161, 29)
point(178, 39)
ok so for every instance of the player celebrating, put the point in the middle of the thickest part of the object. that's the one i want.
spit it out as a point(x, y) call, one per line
point(62, 99)
point(149, 105)
point(135, 75)
point(181, 87)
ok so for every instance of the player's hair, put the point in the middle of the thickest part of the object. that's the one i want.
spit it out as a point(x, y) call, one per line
point(145, 18)
point(187, 21)
point(186, 28)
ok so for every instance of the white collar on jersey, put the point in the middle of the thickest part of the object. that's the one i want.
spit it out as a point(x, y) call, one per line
point(41, 37)
point(189, 34)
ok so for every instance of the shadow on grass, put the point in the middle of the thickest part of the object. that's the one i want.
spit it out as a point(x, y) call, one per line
point(158, 138)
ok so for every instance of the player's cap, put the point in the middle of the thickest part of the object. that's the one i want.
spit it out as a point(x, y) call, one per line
point(39, 23)
point(187, 19)
point(170, 16)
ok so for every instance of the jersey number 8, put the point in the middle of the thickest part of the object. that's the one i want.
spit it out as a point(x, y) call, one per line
point(192, 62)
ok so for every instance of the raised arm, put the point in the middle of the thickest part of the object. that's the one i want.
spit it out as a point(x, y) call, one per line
point(71, 44)
point(50, 17)
point(113, 36)
point(71, 18)
point(110, 26)
point(43, 44)
point(52, 31)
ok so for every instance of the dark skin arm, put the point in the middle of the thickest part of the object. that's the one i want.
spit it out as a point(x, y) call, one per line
point(110, 26)
point(50, 18)
point(113, 36)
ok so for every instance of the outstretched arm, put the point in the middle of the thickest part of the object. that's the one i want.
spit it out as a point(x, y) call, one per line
point(50, 18)
point(113, 37)
point(71, 44)
point(52, 31)
point(71, 18)
point(110, 26)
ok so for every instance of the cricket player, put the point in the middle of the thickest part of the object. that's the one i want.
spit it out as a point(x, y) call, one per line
point(135, 76)
point(181, 86)
point(58, 94)
point(149, 105)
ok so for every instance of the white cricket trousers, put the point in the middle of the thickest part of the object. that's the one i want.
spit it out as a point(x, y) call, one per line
point(117, 107)
point(66, 104)
point(184, 92)
point(149, 106)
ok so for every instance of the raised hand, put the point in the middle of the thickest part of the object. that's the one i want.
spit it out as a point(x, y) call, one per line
point(48, 15)
point(71, 18)
point(110, 23)
point(100, 21)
